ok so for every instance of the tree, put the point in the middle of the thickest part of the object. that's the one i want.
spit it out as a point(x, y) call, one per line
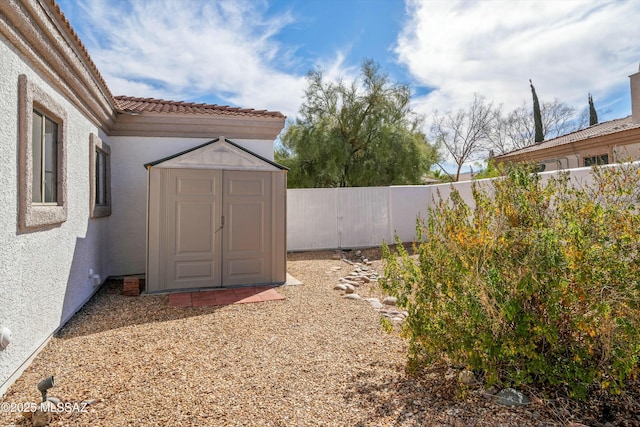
point(465, 134)
point(593, 116)
point(440, 175)
point(490, 170)
point(537, 115)
point(516, 129)
point(358, 134)
point(559, 119)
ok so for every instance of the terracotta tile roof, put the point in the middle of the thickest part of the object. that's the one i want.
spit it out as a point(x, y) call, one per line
point(138, 105)
point(601, 129)
point(132, 104)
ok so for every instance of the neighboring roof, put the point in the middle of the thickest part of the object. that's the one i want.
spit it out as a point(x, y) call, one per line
point(131, 104)
point(601, 129)
point(427, 180)
point(220, 141)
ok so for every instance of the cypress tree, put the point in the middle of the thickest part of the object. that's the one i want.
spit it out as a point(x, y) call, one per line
point(537, 116)
point(593, 116)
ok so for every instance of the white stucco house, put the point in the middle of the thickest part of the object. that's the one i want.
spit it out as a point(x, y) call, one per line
point(74, 193)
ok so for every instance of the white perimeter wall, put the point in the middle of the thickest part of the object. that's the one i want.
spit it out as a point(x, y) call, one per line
point(327, 218)
point(43, 273)
point(330, 218)
point(127, 231)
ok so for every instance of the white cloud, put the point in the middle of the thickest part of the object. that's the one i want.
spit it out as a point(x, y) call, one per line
point(568, 48)
point(188, 50)
point(334, 69)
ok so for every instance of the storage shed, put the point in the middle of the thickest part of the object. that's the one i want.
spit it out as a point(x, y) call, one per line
point(216, 218)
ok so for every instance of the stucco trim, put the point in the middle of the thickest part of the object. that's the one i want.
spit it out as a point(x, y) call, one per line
point(33, 215)
point(96, 144)
point(196, 126)
point(37, 30)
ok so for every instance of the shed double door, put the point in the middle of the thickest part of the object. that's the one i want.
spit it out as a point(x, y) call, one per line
point(218, 228)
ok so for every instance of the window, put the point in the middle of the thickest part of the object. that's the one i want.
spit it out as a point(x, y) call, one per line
point(602, 159)
point(42, 190)
point(101, 178)
point(100, 173)
point(45, 159)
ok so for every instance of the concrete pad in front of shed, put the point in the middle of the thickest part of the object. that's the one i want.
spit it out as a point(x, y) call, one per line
point(292, 281)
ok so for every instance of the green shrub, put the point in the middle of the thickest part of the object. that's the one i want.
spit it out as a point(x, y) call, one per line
point(537, 283)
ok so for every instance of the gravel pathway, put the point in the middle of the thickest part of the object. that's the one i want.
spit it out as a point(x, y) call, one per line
point(313, 359)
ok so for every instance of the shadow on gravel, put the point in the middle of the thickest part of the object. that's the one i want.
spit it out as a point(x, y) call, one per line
point(435, 398)
point(108, 309)
point(352, 254)
point(432, 399)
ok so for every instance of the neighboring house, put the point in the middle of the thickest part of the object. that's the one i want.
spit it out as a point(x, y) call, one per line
point(74, 188)
point(608, 142)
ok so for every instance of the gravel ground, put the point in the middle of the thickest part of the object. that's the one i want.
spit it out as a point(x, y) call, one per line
point(313, 359)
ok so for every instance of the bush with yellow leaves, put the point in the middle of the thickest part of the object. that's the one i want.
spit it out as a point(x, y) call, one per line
point(535, 283)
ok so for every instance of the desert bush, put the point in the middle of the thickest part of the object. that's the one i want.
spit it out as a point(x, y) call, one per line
point(535, 283)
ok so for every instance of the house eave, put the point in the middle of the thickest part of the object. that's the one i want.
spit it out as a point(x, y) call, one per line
point(603, 143)
point(38, 32)
point(197, 126)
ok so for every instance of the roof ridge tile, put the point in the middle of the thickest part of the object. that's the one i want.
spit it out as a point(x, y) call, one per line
point(139, 105)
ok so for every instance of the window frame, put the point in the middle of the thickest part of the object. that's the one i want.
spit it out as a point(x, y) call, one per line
point(42, 189)
point(595, 160)
point(39, 214)
point(98, 146)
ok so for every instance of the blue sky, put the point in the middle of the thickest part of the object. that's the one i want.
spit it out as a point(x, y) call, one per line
point(256, 53)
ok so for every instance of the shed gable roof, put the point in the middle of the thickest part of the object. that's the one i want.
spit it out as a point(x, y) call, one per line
point(219, 153)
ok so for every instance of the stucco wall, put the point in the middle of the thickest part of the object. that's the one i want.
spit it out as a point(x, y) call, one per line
point(127, 231)
point(628, 151)
point(43, 272)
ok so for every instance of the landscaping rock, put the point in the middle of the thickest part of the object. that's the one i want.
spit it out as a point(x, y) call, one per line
point(466, 377)
point(511, 397)
point(393, 313)
point(390, 301)
point(42, 415)
point(363, 275)
point(375, 303)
